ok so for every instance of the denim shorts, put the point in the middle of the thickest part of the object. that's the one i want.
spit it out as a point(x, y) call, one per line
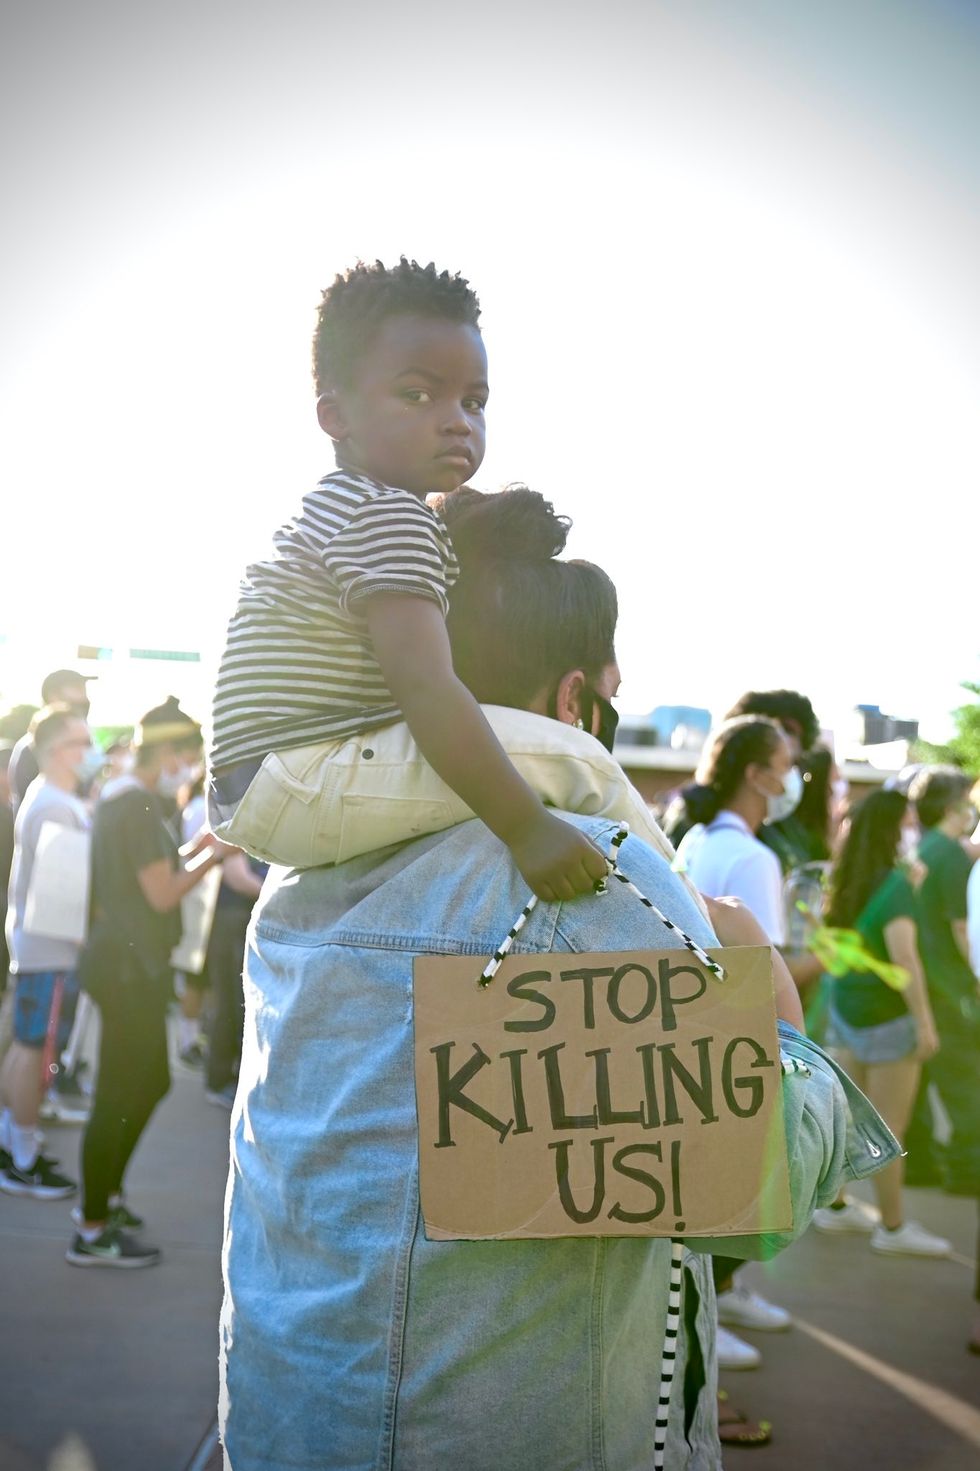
point(887, 1042)
point(33, 997)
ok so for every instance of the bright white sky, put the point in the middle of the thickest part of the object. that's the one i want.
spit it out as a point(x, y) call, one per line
point(727, 261)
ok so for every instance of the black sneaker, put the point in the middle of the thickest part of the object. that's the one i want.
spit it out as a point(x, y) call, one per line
point(112, 1249)
point(68, 1085)
point(40, 1180)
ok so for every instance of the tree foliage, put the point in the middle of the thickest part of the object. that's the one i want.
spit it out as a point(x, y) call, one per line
point(964, 748)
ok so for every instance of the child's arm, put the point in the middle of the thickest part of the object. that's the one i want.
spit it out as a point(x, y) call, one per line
point(412, 646)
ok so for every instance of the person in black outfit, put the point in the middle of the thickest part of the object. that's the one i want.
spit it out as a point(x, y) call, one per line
point(136, 892)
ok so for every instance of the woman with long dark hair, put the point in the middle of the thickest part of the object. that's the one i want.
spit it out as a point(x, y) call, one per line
point(882, 1032)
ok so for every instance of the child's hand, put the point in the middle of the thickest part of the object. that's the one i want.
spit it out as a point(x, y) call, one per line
point(557, 860)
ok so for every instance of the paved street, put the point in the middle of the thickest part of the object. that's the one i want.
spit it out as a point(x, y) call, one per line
point(114, 1371)
point(875, 1372)
point(108, 1370)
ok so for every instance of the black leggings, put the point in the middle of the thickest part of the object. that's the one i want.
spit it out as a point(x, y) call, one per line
point(133, 1076)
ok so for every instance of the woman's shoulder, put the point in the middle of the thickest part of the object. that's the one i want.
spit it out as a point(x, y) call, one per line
point(895, 895)
point(626, 923)
point(749, 849)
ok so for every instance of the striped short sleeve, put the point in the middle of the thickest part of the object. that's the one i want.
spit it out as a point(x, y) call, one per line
point(298, 665)
point(394, 543)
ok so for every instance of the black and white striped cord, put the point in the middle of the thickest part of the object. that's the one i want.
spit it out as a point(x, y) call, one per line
point(669, 1357)
point(615, 872)
point(493, 964)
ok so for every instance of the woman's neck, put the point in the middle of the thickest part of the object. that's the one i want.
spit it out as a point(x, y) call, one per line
point(749, 806)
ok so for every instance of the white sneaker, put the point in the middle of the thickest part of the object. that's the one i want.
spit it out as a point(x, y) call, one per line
point(743, 1309)
point(855, 1217)
point(735, 1353)
point(64, 1112)
point(910, 1240)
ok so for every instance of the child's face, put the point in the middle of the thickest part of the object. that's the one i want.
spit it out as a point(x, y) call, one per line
point(414, 415)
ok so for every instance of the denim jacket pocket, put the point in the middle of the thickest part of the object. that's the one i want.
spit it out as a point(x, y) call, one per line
point(870, 1145)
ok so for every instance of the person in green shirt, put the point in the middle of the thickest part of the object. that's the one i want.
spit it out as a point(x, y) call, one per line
point(881, 1025)
point(947, 817)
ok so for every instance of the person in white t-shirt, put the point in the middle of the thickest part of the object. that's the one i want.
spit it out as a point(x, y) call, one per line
point(44, 969)
point(973, 941)
point(973, 891)
point(746, 777)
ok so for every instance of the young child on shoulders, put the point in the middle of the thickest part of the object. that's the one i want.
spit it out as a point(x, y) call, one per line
point(343, 629)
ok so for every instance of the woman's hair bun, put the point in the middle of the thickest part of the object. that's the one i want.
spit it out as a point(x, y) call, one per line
point(702, 802)
point(515, 525)
point(167, 722)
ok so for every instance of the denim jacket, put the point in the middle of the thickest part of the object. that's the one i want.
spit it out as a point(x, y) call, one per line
point(352, 1343)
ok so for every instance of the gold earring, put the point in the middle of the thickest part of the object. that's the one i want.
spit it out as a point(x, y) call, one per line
point(578, 724)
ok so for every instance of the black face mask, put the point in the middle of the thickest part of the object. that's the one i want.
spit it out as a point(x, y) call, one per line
point(608, 717)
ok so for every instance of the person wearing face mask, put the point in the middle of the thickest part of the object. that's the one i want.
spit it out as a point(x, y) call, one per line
point(45, 969)
point(136, 892)
point(789, 838)
point(476, 1354)
point(61, 687)
point(746, 778)
point(947, 817)
point(794, 714)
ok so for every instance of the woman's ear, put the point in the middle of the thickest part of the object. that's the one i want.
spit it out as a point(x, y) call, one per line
point(753, 774)
point(568, 697)
point(330, 415)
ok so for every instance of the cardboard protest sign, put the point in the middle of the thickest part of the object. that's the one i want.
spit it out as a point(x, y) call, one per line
point(615, 1094)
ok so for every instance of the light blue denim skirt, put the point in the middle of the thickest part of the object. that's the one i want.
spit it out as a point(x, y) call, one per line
point(886, 1042)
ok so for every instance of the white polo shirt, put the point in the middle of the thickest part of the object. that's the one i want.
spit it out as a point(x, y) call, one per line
point(973, 913)
point(725, 858)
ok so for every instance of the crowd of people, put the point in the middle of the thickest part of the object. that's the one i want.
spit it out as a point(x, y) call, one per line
point(95, 892)
point(881, 888)
point(395, 668)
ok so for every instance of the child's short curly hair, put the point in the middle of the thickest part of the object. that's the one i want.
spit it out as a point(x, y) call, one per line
point(361, 298)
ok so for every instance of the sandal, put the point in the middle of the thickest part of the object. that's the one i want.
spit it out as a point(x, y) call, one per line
point(735, 1428)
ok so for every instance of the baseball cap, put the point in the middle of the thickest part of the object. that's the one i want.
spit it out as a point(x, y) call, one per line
point(53, 682)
